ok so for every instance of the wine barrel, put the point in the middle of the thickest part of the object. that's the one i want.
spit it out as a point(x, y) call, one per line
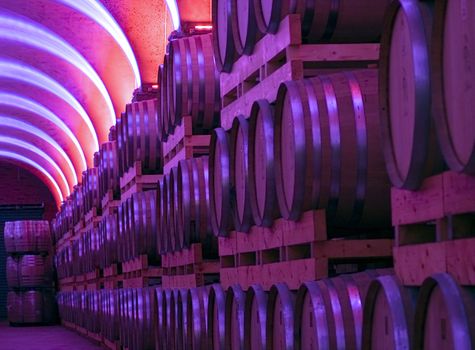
point(175, 236)
point(193, 201)
point(219, 183)
point(216, 317)
point(261, 164)
point(120, 125)
point(27, 236)
point(112, 236)
point(244, 26)
point(223, 43)
point(161, 320)
point(31, 307)
point(171, 318)
point(197, 310)
point(122, 315)
point(269, 13)
point(327, 149)
point(146, 321)
point(445, 315)
point(12, 272)
point(388, 315)
point(78, 203)
point(109, 169)
point(255, 318)
point(35, 271)
point(145, 223)
point(234, 322)
point(184, 322)
point(280, 317)
point(163, 112)
point(90, 188)
point(14, 308)
point(194, 82)
point(452, 76)
point(120, 232)
point(162, 215)
point(409, 142)
point(239, 152)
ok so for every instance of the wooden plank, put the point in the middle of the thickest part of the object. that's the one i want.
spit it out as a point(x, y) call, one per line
point(461, 260)
point(414, 263)
point(426, 204)
point(459, 193)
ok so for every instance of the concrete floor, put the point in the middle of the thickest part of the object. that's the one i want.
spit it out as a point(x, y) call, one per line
point(41, 338)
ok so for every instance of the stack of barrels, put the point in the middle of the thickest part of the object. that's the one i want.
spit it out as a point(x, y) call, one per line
point(31, 299)
point(239, 24)
point(108, 169)
point(188, 86)
point(136, 133)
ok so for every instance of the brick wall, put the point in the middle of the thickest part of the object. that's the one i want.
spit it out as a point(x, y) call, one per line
point(19, 186)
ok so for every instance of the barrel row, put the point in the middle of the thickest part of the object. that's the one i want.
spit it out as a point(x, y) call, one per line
point(426, 103)
point(239, 24)
point(29, 271)
point(32, 307)
point(317, 147)
point(188, 86)
point(137, 137)
point(438, 315)
point(28, 236)
point(321, 314)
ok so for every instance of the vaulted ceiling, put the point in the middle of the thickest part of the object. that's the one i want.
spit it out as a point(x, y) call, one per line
point(67, 69)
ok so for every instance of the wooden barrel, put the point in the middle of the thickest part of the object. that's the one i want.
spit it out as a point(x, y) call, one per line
point(27, 236)
point(120, 233)
point(194, 82)
point(329, 312)
point(219, 183)
point(452, 76)
point(145, 224)
point(78, 203)
point(239, 152)
point(131, 221)
point(146, 323)
point(409, 142)
point(445, 315)
point(123, 294)
point(280, 317)
point(90, 187)
point(162, 215)
point(109, 169)
point(14, 308)
point(197, 310)
point(184, 334)
point(223, 43)
point(171, 318)
point(161, 320)
point(163, 114)
point(12, 268)
point(269, 13)
point(111, 229)
point(235, 306)
point(193, 202)
point(327, 149)
point(244, 26)
point(35, 271)
point(388, 315)
point(176, 237)
point(262, 164)
point(255, 318)
point(216, 317)
point(31, 307)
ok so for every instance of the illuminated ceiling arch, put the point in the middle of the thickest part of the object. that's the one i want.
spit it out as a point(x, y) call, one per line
point(40, 157)
point(51, 183)
point(32, 132)
point(17, 71)
point(67, 69)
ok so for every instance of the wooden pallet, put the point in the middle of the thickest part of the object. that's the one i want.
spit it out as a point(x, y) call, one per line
point(80, 226)
point(92, 219)
point(111, 345)
point(281, 57)
point(435, 229)
point(295, 252)
point(109, 203)
point(188, 268)
point(182, 144)
point(65, 240)
point(138, 273)
point(134, 180)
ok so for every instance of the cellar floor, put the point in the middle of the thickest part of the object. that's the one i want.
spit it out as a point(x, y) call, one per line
point(41, 338)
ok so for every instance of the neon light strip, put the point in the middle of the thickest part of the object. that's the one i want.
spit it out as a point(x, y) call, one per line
point(20, 158)
point(30, 129)
point(29, 147)
point(173, 9)
point(34, 35)
point(99, 14)
point(40, 110)
point(17, 71)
